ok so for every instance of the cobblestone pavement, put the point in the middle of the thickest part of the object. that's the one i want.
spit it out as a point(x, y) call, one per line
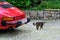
point(51, 31)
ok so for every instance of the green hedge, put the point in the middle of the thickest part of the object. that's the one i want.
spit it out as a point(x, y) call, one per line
point(51, 4)
point(24, 4)
point(36, 4)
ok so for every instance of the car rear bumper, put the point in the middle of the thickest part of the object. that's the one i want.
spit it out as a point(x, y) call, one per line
point(23, 21)
point(14, 24)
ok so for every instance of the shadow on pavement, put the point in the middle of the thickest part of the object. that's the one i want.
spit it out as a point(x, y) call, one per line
point(12, 33)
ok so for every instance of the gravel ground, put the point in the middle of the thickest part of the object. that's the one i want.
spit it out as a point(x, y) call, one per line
point(51, 31)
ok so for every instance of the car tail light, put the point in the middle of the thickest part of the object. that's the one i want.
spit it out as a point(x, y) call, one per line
point(8, 18)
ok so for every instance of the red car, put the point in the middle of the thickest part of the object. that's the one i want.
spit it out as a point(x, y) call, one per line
point(11, 17)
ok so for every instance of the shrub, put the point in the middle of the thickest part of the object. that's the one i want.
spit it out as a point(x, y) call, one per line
point(24, 3)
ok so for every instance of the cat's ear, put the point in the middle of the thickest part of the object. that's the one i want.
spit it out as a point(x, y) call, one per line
point(33, 23)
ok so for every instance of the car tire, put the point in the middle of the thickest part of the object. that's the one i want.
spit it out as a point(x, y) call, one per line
point(3, 23)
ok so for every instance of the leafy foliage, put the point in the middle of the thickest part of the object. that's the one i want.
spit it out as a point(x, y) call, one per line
point(36, 4)
point(24, 3)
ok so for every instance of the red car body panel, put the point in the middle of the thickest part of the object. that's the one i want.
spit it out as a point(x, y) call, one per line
point(15, 11)
point(8, 10)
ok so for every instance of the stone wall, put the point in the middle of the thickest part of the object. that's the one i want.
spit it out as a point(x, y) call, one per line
point(46, 15)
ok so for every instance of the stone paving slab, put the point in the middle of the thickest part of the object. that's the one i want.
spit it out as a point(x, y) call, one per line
point(51, 31)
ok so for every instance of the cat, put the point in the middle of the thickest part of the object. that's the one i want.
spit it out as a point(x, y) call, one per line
point(39, 24)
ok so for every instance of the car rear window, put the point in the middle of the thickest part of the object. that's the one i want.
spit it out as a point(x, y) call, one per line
point(6, 5)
